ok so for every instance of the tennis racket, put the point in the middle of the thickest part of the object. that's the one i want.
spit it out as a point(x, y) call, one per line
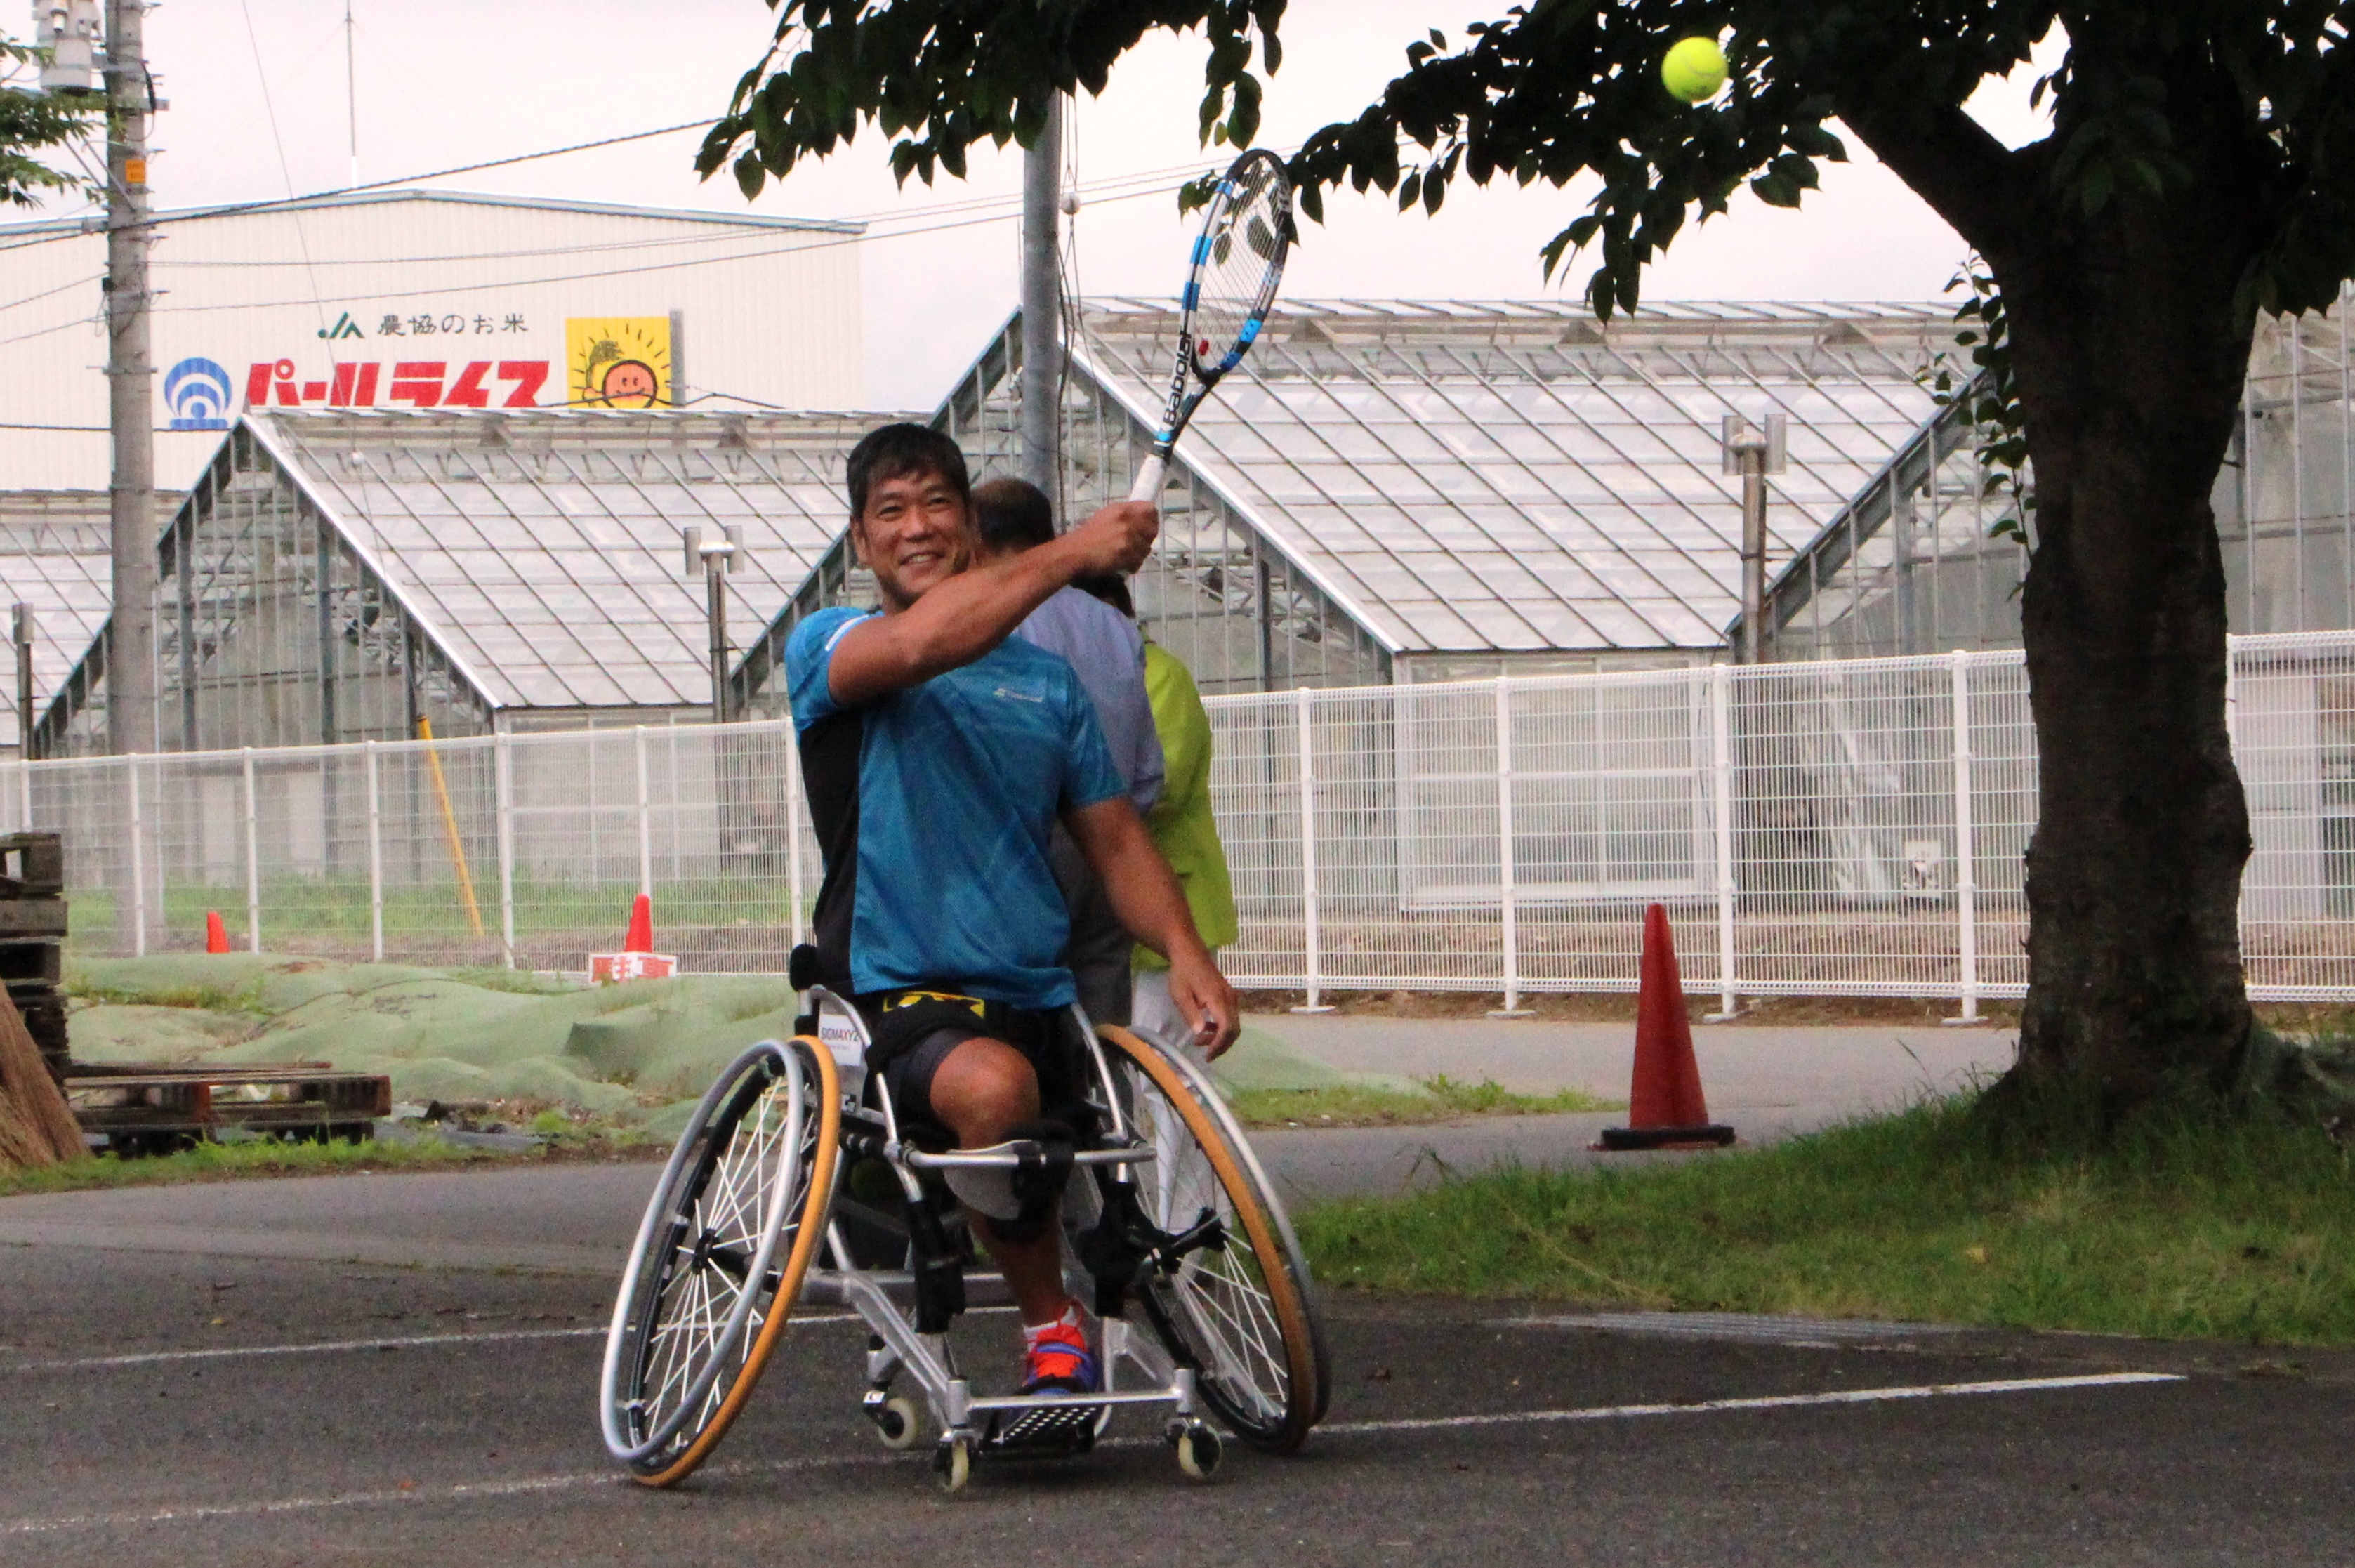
point(1231, 282)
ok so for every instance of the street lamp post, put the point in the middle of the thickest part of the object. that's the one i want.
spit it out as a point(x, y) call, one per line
point(714, 559)
point(1752, 451)
point(21, 630)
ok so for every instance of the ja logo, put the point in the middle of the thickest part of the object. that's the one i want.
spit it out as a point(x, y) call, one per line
point(197, 393)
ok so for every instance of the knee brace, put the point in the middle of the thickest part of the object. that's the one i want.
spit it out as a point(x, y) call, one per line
point(1019, 1199)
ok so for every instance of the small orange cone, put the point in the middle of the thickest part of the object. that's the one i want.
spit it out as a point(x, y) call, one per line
point(216, 933)
point(1665, 1108)
point(637, 960)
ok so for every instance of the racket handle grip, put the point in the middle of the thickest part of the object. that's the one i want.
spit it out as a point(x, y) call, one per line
point(1148, 478)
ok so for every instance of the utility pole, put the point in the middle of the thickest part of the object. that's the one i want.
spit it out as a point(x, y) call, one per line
point(131, 648)
point(715, 559)
point(21, 632)
point(1042, 306)
point(1754, 453)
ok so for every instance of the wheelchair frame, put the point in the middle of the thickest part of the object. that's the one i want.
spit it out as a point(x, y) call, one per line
point(908, 1311)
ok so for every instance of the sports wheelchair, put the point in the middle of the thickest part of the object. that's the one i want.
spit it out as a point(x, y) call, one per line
point(792, 1184)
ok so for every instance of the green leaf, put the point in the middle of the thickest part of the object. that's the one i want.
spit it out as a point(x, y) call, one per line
point(749, 175)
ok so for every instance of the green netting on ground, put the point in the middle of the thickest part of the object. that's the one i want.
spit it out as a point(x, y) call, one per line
point(635, 1050)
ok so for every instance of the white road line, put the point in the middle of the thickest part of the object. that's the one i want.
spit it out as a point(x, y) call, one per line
point(527, 1486)
point(338, 1347)
point(328, 1347)
point(1767, 1402)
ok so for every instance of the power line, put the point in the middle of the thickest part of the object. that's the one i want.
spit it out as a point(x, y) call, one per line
point(827, 243)
point(45, 293)
point(235, 209)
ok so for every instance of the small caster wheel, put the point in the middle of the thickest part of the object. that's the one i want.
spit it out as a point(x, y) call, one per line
point(1199, 1452)
point(953, 1464)
point(895, 1423)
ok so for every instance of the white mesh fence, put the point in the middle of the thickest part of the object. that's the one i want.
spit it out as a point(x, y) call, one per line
point(1850, 827)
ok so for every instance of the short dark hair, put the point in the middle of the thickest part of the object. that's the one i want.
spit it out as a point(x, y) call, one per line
point(1012, 514)
point(1112, 588)
point(899, 450)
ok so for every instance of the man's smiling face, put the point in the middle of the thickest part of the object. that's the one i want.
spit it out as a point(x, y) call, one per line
point(914, 534)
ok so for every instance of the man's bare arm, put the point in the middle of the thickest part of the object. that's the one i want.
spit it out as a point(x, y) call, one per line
point(972, 612)
point(1145, 894)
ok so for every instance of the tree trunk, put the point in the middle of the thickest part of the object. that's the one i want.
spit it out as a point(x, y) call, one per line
point(2131, 353)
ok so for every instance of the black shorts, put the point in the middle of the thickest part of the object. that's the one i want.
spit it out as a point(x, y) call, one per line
point(914, 1032)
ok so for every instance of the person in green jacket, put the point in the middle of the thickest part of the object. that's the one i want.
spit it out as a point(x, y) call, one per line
point(1181, 824)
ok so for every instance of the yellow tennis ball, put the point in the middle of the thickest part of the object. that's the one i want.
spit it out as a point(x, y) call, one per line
point(1694, 70)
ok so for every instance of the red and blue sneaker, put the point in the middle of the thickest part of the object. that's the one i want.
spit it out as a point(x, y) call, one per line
point(1057, 1361)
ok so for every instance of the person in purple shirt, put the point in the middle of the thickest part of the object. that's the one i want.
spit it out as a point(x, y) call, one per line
point(1106, 652)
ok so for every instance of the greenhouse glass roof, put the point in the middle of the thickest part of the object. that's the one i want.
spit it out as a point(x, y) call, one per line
point(541, 551)
point(1502, 476)
point(55, 557)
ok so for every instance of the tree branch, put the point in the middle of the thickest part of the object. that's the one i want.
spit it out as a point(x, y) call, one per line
point(1988, 192)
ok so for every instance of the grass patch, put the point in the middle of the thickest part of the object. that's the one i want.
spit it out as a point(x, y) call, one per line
point(2178, 1228)
point(571, 1136)
point(1437, 1099)
point(202, 998)
point(233, 1161)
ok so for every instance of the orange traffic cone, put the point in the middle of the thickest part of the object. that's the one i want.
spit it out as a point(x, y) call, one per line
point(637, 960)
point(216, 933)
point(1665, 1107)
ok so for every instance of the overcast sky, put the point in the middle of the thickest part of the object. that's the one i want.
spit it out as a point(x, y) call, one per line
point(259, 109)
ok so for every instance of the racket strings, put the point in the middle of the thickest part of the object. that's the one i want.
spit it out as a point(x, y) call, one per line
point(1243, 246)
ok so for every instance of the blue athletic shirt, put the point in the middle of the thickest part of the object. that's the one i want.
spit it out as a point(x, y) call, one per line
point(933, 807)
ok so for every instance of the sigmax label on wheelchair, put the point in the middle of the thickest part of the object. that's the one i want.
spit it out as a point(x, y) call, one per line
point(791, 1185)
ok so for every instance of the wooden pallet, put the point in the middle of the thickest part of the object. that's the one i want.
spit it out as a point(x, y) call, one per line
point(32, 926)
point(137, 1108)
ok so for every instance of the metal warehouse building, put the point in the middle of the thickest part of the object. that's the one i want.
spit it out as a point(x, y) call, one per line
point(416, 299)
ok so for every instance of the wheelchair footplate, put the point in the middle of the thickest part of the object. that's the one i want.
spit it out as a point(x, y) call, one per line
point(1053, 1427)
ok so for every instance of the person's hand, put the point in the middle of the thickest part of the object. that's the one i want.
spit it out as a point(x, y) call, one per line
point(1202, 996)
point(1116, 538)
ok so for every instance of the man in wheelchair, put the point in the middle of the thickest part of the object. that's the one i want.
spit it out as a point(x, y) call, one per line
point(939, 751)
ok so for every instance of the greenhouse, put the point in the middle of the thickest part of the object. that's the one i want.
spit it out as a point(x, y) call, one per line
point(1430, 491)
point(55, 560)
point(1922, 561)
point(340, 576)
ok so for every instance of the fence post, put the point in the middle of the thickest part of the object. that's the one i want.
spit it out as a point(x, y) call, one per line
point(1508, 898)
point(2233, 699)
point(1312, 939)
point(1721, 726)
point(138, 863)
point(645, 819)
point(376, 856)
point(252, 858)
point(1966, 912)
point(503, 794)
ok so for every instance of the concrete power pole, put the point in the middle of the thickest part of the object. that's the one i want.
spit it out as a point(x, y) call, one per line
point(130, 649)
point(1042, 306)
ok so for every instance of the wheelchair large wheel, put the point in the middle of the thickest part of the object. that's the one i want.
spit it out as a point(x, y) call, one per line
point(1242, 1314)
point(738, 1213)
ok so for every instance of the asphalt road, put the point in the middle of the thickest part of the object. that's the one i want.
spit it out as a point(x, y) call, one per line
point(262, 1411)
